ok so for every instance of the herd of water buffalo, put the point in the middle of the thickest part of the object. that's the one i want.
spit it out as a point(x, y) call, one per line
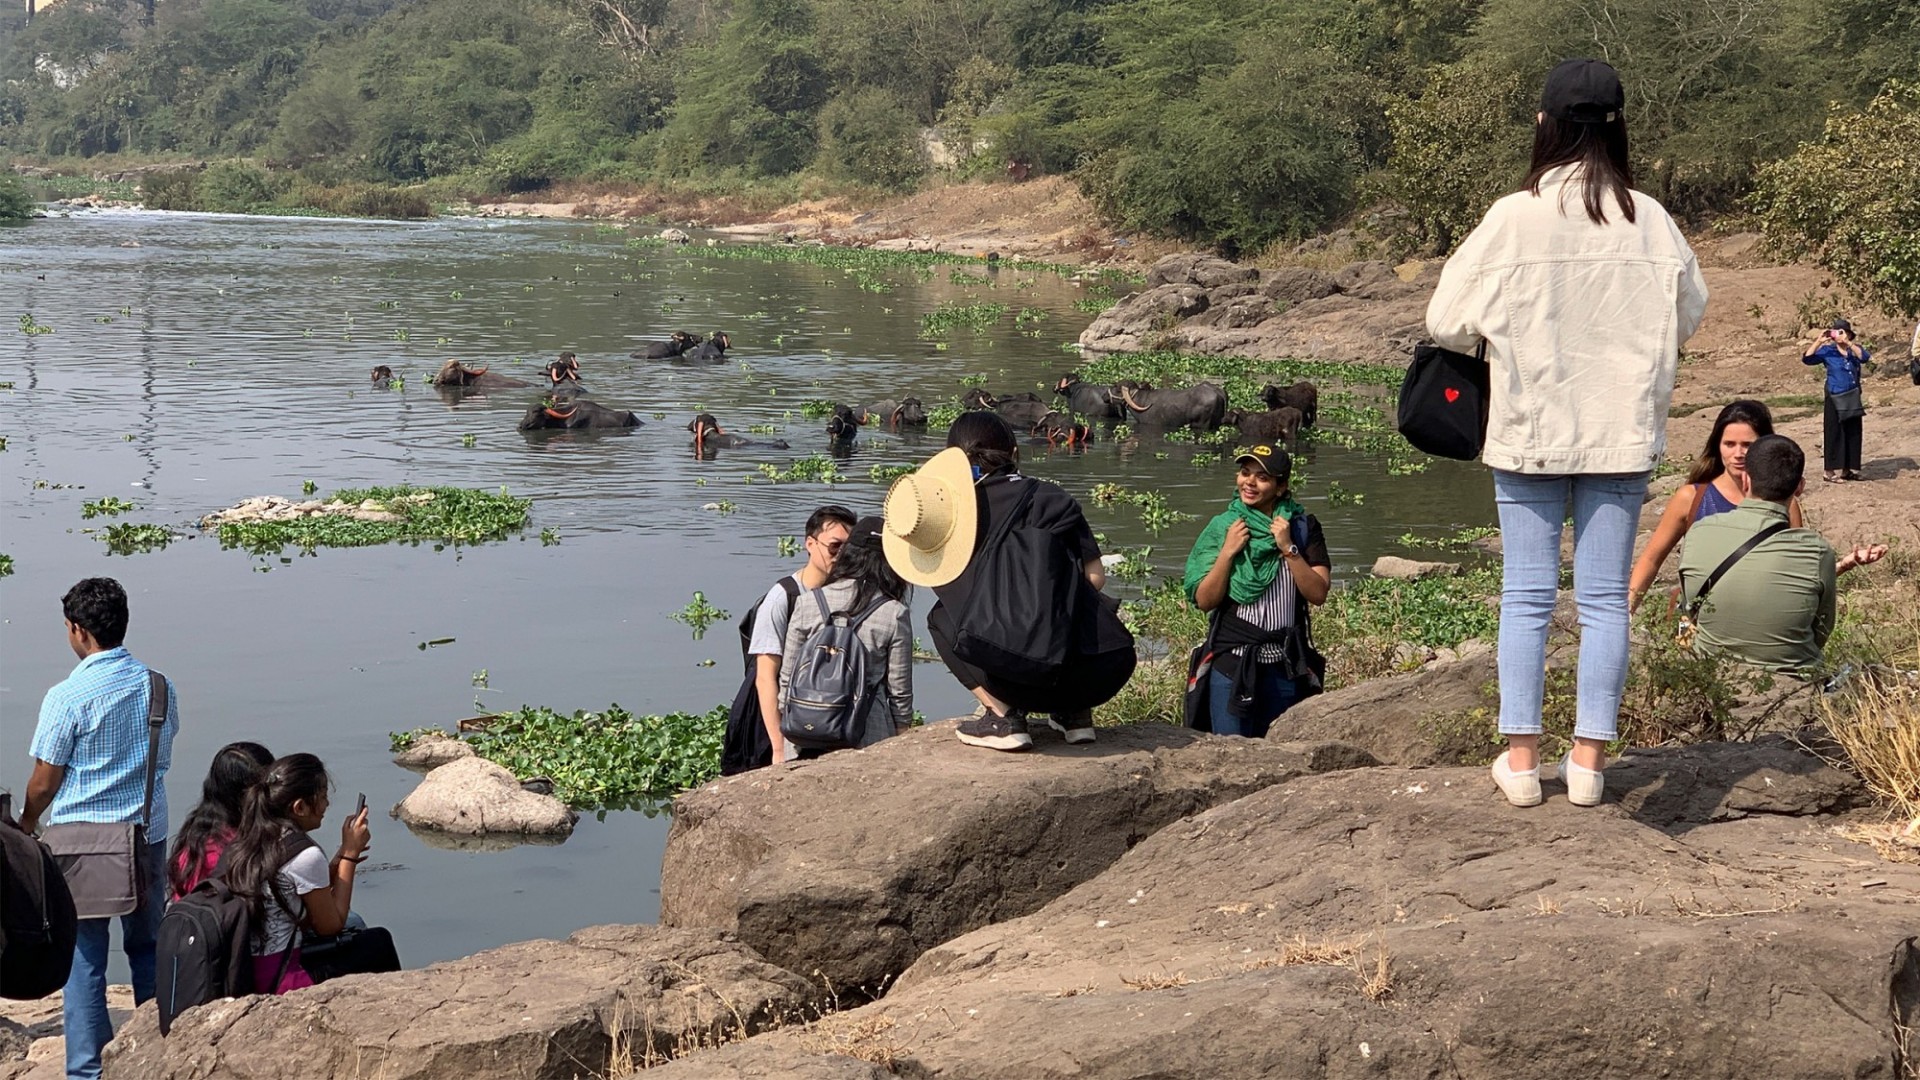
point(1202, 406)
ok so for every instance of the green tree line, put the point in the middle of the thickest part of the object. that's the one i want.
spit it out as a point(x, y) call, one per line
point(1235, 123)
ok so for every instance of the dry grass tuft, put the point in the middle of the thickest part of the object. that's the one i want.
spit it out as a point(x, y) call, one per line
point(1072, 991)
point(1374, 976)
point(1893, 841)
point(1155, 982)
point(1877, 726)
point(1544, 905)
point(1690, 907)
point(1377, 985)
point(870, 1039)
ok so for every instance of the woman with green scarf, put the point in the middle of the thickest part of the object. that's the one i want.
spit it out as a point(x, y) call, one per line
point(1257, 566)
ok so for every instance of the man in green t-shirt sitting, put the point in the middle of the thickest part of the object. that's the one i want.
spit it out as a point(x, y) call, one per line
point(1774, 608)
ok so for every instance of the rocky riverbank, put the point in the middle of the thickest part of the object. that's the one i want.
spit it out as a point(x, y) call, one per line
point(1173, 905)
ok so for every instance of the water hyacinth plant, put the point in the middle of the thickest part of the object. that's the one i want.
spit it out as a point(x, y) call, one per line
point(425, 514)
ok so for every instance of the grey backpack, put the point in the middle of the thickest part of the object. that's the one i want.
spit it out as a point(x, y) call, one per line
point(827, 698)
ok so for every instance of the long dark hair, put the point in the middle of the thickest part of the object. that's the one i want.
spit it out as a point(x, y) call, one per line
point(259, 849)
point(235, 767)
point(1598, 152)
point(1755, 414)
point(988, 440)
point(862, 561)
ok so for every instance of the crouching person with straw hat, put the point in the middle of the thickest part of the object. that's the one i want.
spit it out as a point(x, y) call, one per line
point(1020, 621)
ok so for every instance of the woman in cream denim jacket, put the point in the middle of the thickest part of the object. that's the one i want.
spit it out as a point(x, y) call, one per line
point(1583, 290)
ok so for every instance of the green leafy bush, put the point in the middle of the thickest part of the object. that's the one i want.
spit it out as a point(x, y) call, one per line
point(456, 515)
point(15, 203)
point(177, 189)
point(1849, 201)
point(868, 135)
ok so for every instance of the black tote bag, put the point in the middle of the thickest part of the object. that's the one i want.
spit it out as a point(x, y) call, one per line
point(1444, 400)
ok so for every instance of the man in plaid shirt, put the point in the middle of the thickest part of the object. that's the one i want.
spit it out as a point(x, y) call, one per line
point(90, 762)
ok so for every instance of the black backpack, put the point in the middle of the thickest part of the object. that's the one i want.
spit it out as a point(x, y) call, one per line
point(204, 950)
point(37, 922)
point(1018, 623)
point(745, 745)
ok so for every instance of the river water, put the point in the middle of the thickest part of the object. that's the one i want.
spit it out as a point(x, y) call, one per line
point(196, 360)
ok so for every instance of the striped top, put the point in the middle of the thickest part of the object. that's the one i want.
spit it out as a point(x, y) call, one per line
point(1272, 611)
point(94, 725)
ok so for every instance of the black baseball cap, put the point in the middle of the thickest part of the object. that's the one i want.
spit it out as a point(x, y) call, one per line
point(1583, 91)
point(1843, 326)
point(1271, 460)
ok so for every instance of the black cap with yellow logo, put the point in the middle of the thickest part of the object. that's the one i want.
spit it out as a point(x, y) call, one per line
point(1270, 459)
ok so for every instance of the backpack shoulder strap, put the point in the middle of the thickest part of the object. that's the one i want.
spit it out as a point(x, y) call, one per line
point(820, 601)
point(156, 719)
point(791, 586)
point(1726, 564)
point(1019, 513)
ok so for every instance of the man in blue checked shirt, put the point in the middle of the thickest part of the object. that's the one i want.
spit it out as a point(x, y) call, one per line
point(90, 762)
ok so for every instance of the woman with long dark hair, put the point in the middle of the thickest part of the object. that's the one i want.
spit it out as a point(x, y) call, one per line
point(1835, 350)
point(279, 870)
point(866, 592)
point(1583, 290)
point(977, 489)
point(210, 827)
point(1712, 487)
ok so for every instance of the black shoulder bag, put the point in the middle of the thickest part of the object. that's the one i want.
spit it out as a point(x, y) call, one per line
point(105, 863)
point(1683, 634)
point(1444, 401)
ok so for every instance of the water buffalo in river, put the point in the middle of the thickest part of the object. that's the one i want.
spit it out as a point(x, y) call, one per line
point(711, 351)
point(454, 373)
point(575, 413)
point(1022, 410)
point(1276, 427)
point(709, 435)
point(907, 412)
point(564, 373)
point(382, 377)
point(1302, 395)
point(843, 425)
point(1063, 429)
point(1200, 405)
point(1087, 399)
point(679, 343)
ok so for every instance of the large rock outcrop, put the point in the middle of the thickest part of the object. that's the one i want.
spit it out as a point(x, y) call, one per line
point(1365, 312)
point(853, 865)
point(1419, 718)
point(1407, 923)
point(531, 1011)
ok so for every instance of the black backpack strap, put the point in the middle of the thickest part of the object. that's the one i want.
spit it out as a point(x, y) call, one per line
point(156, 719)
point(1726, 564)
point(1019, 513)
point(791, 586)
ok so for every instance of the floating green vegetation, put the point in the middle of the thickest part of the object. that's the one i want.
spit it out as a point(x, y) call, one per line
point(816, 408)
point(6, 565)
point(856, 258)
point(945, 318)
point(789, 546)
point(698, 615)
point(814, 468)
point(887, 474)
point(107, 507)
point(1098, 299)
point(1240, 376)
point(611, 760)
point(549, 537)
point(1459, 540)
point(763, 429)
point(1434, 612)
point(423, 514)
point(941, 416)
point(128, 538)
point(32, 328)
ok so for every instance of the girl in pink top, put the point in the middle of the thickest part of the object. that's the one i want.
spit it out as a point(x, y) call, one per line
point(209, 828)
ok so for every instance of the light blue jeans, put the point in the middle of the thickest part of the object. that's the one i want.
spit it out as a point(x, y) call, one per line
point(83, 1005)
point(1606, 514)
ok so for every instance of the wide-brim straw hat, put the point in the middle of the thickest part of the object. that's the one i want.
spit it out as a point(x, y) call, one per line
point(932, 520)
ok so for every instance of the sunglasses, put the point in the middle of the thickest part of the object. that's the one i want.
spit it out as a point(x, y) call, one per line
point(833, 546)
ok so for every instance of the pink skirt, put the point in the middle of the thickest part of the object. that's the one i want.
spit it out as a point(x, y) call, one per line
point(266, 967)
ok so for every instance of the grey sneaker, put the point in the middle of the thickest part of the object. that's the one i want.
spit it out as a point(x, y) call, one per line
point(996, 732)
point(1075, 727)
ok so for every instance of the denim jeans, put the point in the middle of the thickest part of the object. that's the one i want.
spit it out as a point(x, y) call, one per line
point(1533, 510)
point(83, 1006)
point(1273, 694)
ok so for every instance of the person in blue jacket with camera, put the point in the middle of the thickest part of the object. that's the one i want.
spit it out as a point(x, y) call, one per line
point(1843, 358)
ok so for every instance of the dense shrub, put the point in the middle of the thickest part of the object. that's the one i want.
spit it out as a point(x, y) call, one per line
point(235, 187)
point(15, 204)
point(174, 190)
point(868, 136)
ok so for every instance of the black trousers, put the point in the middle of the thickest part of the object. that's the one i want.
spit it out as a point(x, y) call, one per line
point(1087, 681)
point(1842, 441)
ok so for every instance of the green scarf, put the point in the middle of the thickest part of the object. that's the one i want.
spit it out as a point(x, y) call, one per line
point(1257, 565)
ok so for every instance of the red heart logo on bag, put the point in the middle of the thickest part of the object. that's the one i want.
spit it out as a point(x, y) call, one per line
point(1452, 395)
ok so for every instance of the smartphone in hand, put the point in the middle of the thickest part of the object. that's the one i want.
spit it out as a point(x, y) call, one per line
point(361, 808)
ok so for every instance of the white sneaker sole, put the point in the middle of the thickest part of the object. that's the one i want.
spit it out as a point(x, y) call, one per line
point(1520, 788)
point(1015, 741)
point(1077, 735)
point(1584, 786)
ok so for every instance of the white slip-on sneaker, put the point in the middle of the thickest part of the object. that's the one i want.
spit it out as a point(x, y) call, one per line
point(1520, 788)
point(1584, 786)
